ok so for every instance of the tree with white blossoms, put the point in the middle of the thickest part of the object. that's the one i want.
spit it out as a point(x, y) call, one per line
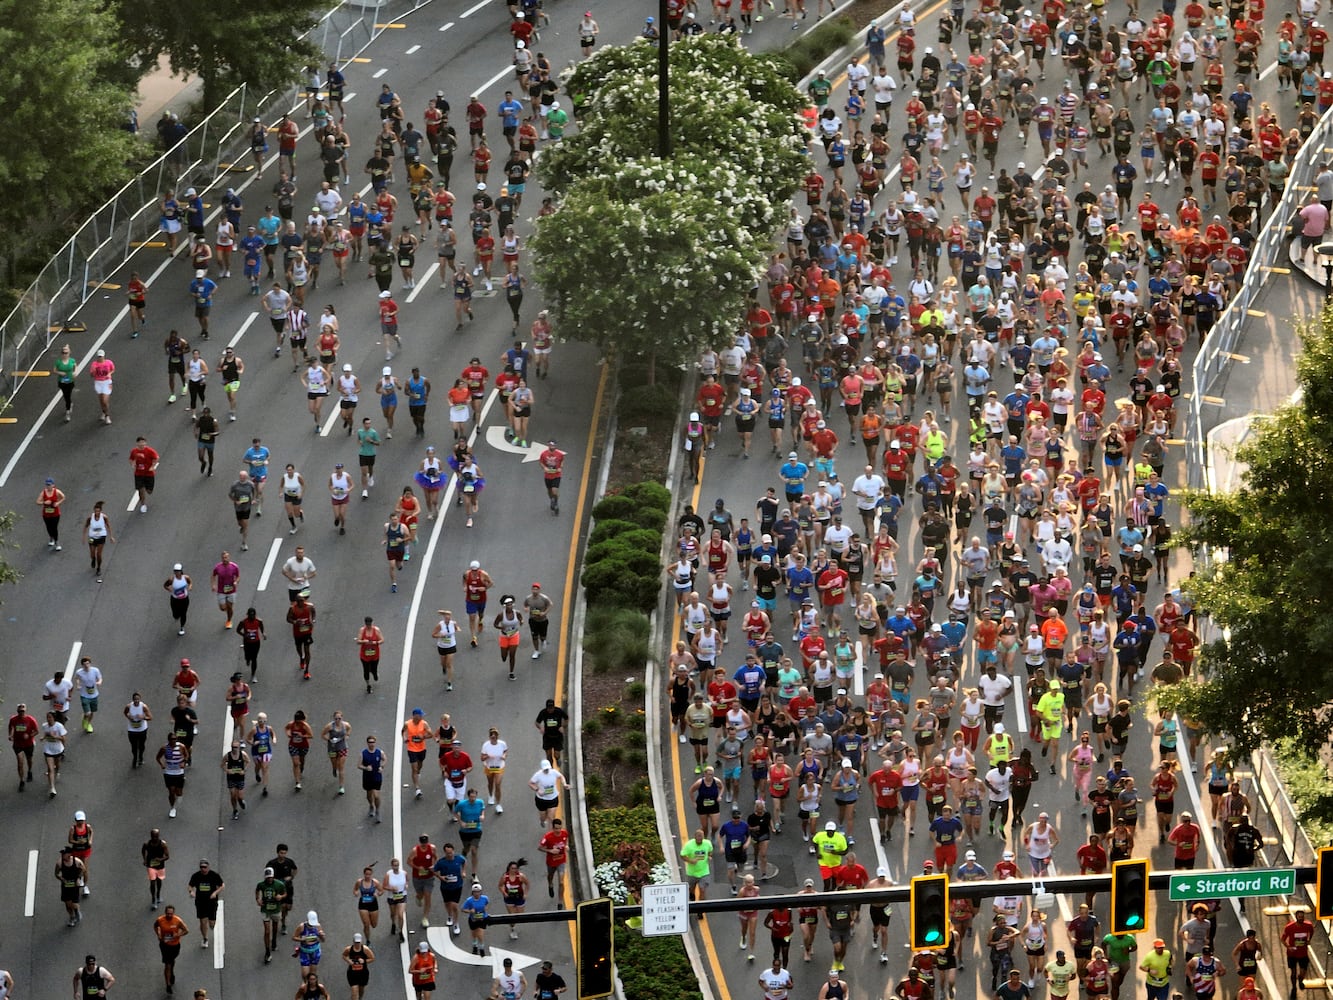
point(654, 258)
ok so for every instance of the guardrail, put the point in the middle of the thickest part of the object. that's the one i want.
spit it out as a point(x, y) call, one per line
point(128, 222)
point(1214, 357)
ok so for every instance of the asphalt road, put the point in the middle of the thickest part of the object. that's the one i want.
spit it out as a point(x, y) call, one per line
point(741, 482)
point(59, 612)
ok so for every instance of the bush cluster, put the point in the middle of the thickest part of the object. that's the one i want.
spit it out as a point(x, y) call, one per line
point(803, 55)
point(622, 567)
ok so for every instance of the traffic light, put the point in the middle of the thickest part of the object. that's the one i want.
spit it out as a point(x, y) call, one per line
point(1323, 893)
point(595, 930)
point(1129, 896)
point(930, 911)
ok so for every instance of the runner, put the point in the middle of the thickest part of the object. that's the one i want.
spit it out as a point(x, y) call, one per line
point(552, 461)
point(340, 493)
point(547, 785)
point(144, 461)
point(66, 368)
point(368, 440)
point(299, 738)
point(371, 766)
point(101, 371)
point(367, 891)
point(69, 873)
point(387, 389)
point(493, 756)
point(262, 740)
point(445, 634)
point(242, 493)
point(88, 681)
point(136, 293)
point(205, 886)
point(293, 493)
point(235, 765)
point(430, 477)
point(173, 758)
point(476, 582)
point(97, 529)
point(415, 733)
point(178, 586)
point(300, 616)
point(23, 730)
point(369, 641)
point(358, 958)
point(508, 624)
point(80, 840)
point(538, 607)
point(349, 392)
point(137, 716)
point(256, 459)
point(269, 895)
point(336, 735)
point(230, 369)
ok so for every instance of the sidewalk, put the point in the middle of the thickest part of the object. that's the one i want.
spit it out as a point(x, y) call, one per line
point(161, 91)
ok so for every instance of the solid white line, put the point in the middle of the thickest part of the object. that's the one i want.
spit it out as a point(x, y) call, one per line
point(473, 9)
point(446, 26)
point(241, 332)
point(269, 563)
point(494, 80)
point(413, 49)
point(423, 281)
point(333, 419)
point(228, 728)
point(1021, 699)
point(30, 894)
point(379, 73)
point(73, 659)
point(859, 678)
point(219, 941)
point(404, 673)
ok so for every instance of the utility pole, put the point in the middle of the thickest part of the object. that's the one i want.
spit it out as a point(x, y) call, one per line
point(663, 84)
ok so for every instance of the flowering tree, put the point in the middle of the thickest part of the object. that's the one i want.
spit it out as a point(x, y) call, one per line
point(651, 257)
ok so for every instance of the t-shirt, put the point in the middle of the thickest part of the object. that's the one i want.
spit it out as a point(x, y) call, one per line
point(696, 854)
point(555, 845)
point(1156, 967)
point(144, 459)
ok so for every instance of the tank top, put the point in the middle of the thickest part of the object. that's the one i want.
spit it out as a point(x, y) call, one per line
point(195, 370)
point(341, 485)
point(97, 526)
point(261, 740)
point(298, 739)
point(236, 764)
point(337, 739)
point(307, 939)
point(365, 893)
point(238, 698)
point(474, 585)
point(180, 587)
point(1204, 979)
point(389, 391)
point(395, 884)
point(448, 636)
point(81, 839)
point(347, 387)
point(315, 379)
point(911, 772)
point(1039, 843)
point(136, 717)
point(395, 537)
point(835, 991)
point(291, 485)
point(510, 986)
point(356, 958)
point(509, 622)
point(708, 796)
point(957, 762)
point(50, 508)
point(720, 596)
point(511, 887)
point(91, 983)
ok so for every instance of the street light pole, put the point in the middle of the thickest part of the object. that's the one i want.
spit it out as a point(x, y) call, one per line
point(663, 84)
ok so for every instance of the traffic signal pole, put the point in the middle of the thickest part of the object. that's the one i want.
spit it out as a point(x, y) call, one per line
point(1158, 881)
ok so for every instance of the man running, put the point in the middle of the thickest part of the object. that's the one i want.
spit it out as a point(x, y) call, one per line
point(552, 462)
point(225, 576)
point(144, 461)
point(476, 581)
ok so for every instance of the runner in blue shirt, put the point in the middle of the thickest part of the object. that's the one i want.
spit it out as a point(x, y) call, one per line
point(475, 908)
point(256, 457)
point(252, 251)
point(793, 473)
point(749, 678)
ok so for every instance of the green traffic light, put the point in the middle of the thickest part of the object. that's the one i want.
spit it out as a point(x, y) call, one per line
point(934, 936)
point(1134, 920)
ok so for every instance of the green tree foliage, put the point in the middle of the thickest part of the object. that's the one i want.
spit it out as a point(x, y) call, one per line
point(62, 114)
point(653, 258)
point(1268, 586)
point(224, 42)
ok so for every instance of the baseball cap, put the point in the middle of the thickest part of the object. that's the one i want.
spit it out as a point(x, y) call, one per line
point(830, 826)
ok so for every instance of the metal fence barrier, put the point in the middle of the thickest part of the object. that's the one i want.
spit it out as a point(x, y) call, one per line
point(1214, 357)
point(128, 222)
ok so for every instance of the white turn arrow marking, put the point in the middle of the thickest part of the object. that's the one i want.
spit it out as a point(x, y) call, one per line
point(443, 942)
point(495, 437)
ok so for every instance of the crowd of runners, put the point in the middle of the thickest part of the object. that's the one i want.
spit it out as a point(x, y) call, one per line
point(962, 371)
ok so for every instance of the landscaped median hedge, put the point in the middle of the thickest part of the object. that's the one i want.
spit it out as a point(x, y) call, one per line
point(651, 968)
point(808, 51)
point(623, 567)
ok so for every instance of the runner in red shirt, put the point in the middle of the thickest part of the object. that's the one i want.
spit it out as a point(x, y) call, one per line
point(555, 845)
point(477, 376)
point(144, 461)
point(832, 584)
point(885, 783)
point(1296, 938)
point(23, 737)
